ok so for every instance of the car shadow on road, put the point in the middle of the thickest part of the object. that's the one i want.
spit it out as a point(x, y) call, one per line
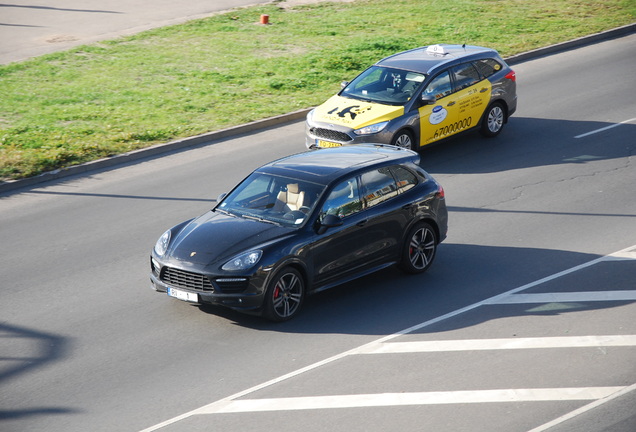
point(390, 301)
point(531, 142)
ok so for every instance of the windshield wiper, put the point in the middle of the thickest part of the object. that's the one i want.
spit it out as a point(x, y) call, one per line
point(260, 219)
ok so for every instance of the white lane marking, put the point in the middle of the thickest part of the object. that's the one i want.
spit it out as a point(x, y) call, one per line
point(605, 128)
point(566, 297)
point(363, 348)
point(502, 344)
point(417, 398)
point(584, 409)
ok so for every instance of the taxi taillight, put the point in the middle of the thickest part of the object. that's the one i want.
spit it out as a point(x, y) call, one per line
point(511, 75)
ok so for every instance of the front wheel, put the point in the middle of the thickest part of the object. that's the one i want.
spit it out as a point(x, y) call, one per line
point(493, 121)
point(419, 249)
point(284, 295)
point(403, 139)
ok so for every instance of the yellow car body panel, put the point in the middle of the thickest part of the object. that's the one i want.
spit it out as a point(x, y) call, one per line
point(454, 113)
point(355, 114)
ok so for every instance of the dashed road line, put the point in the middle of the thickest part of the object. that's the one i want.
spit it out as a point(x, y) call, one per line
point(501, 344)
point(417, 398)
point(568, 297)
point(605, 128)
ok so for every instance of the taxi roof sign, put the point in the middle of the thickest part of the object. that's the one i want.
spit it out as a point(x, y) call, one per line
point(436, 49)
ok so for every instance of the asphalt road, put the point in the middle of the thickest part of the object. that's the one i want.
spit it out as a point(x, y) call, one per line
point(538, 266)
point(30, 28)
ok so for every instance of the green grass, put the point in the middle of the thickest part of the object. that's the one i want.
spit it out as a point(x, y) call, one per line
point(119, 95)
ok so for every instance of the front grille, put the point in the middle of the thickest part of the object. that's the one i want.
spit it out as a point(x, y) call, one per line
point(184, 279)
point(331, 135)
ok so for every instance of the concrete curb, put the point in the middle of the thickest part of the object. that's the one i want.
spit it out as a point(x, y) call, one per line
point(210, 137)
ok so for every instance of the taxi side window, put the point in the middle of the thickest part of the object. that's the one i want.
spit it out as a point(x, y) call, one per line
point(439, 86)
point(344, 200)
point(378, 186)
point(465, 75)
point(404, 178)
point(488, 67)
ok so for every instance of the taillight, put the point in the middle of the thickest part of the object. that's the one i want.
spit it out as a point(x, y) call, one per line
point(440, 192)
point(511, 76)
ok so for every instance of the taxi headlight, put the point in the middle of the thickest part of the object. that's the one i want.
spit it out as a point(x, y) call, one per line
point(243, 261)
point(371, 129)
point(310, 116)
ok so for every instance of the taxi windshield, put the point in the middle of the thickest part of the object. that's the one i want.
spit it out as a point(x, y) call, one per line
point(268, 198)
point(384, 85)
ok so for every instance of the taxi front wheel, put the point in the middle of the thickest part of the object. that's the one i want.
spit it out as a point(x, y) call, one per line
point(403, 139)
point(493, 121)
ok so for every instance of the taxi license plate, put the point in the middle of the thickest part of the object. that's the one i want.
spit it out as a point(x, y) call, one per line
point(183, 295)
point(327, 144)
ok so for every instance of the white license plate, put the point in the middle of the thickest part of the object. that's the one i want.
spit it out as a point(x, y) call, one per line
point(183, 295)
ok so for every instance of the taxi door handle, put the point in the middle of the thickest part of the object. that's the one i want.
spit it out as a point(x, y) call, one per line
point(483, 90)
point(451, 103)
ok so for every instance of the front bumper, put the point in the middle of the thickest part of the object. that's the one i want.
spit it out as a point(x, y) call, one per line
point(245, 293)
point(319, 135)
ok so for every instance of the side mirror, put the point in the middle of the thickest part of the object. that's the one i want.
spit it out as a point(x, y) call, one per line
point(329, 221)
point(427, 99)
point(221, 197)
point(344, 84)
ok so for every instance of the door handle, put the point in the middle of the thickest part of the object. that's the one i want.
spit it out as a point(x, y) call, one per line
point(483, 90)
point(362, 222)
point(451, 103)
point(407, 206)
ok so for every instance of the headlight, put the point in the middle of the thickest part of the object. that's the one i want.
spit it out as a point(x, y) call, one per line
point(243, 261)
point(371, 129)
point(162, 244)
point(310, 116)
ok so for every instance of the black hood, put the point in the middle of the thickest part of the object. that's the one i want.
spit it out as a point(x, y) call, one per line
point(215, 236)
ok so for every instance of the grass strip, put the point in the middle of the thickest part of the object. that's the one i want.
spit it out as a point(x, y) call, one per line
point(120, 95)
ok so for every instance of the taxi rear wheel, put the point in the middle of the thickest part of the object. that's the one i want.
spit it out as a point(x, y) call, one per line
point(494, 120)
point(403, 139)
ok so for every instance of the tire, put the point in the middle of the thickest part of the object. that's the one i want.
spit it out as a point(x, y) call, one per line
point(285, 295)
point(494, 120)
point(419, 249)
point(403, 139)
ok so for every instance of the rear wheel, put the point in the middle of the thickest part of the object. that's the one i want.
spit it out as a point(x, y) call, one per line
point(419, 249)
point(284, 295)
point(493, 121)
point(403, 139)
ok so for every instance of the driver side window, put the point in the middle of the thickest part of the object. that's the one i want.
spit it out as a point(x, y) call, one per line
point(439, 86)
point(344, 200)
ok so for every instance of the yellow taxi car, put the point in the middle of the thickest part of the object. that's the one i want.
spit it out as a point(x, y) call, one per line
point(418, 97)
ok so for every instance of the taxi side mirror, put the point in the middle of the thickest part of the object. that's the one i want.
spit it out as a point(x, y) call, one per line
point(427, 99)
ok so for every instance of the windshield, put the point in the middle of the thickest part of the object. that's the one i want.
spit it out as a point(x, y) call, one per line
point(384, 85)
point(280, 200)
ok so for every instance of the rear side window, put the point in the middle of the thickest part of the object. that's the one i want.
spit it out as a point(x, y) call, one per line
point(404, 178)
point(378, 186)
point(465, 76)
point(488, 67)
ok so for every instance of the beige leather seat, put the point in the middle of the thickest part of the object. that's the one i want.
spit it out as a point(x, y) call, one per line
point(289, 200)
